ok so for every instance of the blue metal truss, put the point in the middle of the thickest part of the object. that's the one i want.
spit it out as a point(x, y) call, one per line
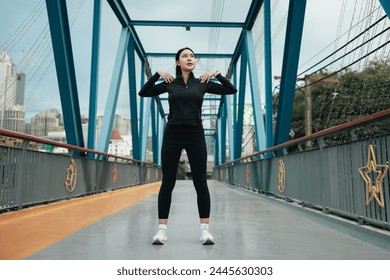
point(230, 124)
point(93, 94)
point(63, 57)
point(112, 98)
point(133, 97)
point(386, 6)
point(155, 127)
point(241, 102)
point(245, 50)
point(231, 113)
point(255, 91)
point(268, 73)
point(296, 14)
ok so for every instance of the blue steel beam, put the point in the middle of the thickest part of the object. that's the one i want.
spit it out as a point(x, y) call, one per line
point(133, 97)
point(124, 18)
point(204, 99)
point(161, 129)
point(187, 23)
point(234, 97)
point(209, 134)
point(292, 46)
point(222, 132)
point(93, 91)
point(255, 92)
point(253, 13)
point(141, 113)
point(268, 73)
point(112, 98)
point(120, 11)
point(230, 124)
point(160, 106)
point(146, 108)
point(144, 118)
point(63, 57)
point(249, 22)
point(198, 55)
point(148, 73)
point(241, 102)
point(220, 107)
point(221, 118)
point(216, 149)
point(154, 131)
point(221, 149)
point(386, 6)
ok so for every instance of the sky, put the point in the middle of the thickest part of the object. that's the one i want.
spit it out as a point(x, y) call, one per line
point(320, 30)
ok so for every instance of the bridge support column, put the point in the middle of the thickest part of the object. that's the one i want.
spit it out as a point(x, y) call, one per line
point(93, 90)
point(241, 103)
point(112, 98)
point(268, 74)
point(66, 76)
point(133, 97)
point(255, 92)
point(386, 6)
point(292, 46)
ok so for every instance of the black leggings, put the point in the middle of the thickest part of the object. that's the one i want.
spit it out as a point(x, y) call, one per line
point(192, 139)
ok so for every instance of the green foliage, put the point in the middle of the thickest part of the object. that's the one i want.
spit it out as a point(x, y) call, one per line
point(357, 94)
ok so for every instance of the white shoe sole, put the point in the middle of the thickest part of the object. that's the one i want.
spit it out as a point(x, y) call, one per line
point(158, 242)
point(208, 241)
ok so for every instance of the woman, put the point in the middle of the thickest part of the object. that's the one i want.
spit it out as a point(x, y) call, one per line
point(184, 130)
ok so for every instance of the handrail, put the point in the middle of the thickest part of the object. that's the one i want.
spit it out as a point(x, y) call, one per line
point(9, 133)
point(326, 132)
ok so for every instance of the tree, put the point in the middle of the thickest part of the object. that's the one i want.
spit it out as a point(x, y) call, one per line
point(356, 95)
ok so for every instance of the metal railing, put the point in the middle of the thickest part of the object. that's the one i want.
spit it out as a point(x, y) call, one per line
point(350, 180)
point(29, 177)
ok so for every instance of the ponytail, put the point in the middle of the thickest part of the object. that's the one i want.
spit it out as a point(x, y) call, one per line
point(179, 74)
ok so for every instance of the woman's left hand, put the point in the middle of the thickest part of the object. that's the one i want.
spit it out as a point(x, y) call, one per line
point(205, 78)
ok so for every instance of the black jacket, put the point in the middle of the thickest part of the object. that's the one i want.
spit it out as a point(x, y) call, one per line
point(185, 101)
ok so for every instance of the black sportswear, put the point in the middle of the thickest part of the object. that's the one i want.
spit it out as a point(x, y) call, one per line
point(185, 100)
point(184, 130)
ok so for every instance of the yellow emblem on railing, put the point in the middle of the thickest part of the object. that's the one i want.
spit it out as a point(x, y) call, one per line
point(282, 176)
point(373, 175)
point(71, 176)
point(114, 174)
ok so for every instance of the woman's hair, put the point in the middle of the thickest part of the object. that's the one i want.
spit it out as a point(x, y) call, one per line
point(178, 69)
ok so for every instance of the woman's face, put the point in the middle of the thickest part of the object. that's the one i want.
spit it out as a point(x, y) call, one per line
point(187, 61)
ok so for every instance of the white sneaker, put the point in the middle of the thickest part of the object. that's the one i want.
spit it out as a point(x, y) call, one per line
point(161, 236)
point(205, 236)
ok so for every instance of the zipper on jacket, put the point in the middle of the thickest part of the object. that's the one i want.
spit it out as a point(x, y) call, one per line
point(185, 104)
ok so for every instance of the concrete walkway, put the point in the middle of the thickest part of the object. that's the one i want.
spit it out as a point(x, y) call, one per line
point(245, 225)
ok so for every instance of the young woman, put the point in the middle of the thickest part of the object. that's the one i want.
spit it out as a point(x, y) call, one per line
point(184, 130)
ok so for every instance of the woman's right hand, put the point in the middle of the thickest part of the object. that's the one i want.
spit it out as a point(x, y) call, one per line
point(166, 76)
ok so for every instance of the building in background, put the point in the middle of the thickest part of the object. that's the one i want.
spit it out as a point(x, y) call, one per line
point(14, 119)
point(122, 124)
point(12, 87)
point(118, 145)
point(45, 122)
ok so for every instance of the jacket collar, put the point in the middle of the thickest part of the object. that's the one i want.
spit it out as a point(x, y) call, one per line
point(191, 76)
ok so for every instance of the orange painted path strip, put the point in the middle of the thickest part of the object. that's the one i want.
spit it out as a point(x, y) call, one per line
point(27, 231)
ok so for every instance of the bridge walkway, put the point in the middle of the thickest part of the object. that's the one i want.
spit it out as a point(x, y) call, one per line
point(246, 225)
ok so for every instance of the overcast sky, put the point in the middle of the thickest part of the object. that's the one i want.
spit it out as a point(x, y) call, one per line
point(320, 29)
